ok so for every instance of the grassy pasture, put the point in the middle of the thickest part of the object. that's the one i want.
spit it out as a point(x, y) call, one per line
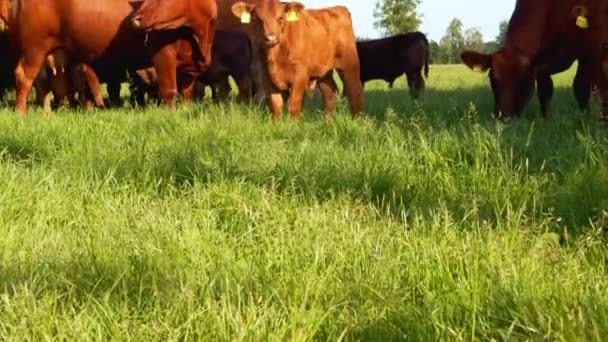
point(424, 221)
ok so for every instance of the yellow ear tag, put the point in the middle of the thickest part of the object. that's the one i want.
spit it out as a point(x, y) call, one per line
point(477, 68)
point(581, 21)
point(245, 18)
point(291, 16)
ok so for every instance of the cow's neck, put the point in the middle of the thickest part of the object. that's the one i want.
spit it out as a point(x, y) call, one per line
point(276, 58)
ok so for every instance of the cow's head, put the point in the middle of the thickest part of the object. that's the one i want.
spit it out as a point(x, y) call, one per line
point(512, 78)
point(269, 16)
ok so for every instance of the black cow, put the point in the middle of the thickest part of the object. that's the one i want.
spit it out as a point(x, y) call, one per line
point(389, 58)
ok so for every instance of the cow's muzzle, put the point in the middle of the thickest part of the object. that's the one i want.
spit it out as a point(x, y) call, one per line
point(271, 40)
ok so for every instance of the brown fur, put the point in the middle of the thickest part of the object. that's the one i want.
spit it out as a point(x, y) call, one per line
point(101, 31)
point(63, 79)
point(198, 15)
point(542, 39)
point(299, 52)
point(231, 57)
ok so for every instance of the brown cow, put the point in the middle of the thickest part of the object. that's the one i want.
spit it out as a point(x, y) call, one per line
point(577, 27)
point(391, 57)
point(301, 46)
point(178, 35)
point(52, 77)
point(231, 56)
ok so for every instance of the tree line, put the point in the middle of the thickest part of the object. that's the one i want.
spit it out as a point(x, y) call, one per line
point(399, 16)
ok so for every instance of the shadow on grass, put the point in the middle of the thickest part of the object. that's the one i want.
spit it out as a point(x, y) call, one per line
point(567, 147)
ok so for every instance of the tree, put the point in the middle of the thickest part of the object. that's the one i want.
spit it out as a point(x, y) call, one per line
point(396, 16)
point(435, 53)
point(473, 39)
point(453, 41)
point(502, 32)
point(490, 47)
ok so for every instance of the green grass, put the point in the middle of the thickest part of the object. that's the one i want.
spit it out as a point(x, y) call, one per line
point(424, 221)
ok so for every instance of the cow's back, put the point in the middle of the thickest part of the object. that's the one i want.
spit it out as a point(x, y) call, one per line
point(324, 39)
point(98, 27)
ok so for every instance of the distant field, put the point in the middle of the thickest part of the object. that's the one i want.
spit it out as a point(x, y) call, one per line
point(424, 221)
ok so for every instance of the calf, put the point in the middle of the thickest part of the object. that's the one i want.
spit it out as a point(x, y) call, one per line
point(302, 46)
point(389, 58)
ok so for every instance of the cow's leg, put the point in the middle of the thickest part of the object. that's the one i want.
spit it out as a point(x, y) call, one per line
point(244, 84)
point(259, 73)
point(27, 68)
point(138, 90)
point(223, 88)
point(199, 90)
point(582, 86)
point(113, 87)
point(415, 83)
point(276, 104)
point(165, 64)
point(186, 84)
point(544, 89)
point(328, 88)
point(353, 90)
point(93, 85)
point(298, 89)
point(43, 97)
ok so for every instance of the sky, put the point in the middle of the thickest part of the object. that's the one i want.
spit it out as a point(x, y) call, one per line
point(436, 14)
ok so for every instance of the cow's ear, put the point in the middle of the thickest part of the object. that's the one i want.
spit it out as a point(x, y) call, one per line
point(477, 61)
point(293, 10)
point(243, 11)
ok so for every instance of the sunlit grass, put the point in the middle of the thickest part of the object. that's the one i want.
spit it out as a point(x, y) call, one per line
point(425, 220)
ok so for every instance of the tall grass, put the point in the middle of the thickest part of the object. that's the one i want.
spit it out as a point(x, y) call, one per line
point(426, 220)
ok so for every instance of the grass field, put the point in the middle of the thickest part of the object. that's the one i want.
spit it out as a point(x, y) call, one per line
point(424, 221)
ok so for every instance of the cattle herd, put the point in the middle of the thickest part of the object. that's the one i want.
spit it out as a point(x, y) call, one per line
point(276, 51)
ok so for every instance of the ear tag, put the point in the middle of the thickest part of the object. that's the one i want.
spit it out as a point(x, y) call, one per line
point(291, 16)
point(581, 21)
point(477, 68)
point(245, 17)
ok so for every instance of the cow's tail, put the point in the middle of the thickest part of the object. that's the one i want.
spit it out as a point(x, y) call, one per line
point(426, 63)
point(427, 56)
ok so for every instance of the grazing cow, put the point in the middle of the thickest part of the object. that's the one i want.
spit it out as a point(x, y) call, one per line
point(301, 46)
point(391, 57)
point(545, 37)
point(231, 56)
point(170, 34)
